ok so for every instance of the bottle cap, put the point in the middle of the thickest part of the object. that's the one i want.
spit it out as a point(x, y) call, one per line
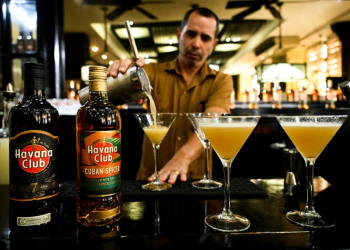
point(34, 75)
point(97, 78)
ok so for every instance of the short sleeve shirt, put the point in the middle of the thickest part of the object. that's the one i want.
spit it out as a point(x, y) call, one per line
point(171, 94)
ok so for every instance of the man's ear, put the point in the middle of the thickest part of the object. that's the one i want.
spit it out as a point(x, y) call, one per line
point(215, 42)
point(178, 33)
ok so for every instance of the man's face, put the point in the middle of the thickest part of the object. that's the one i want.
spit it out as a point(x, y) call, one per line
point(197, 40)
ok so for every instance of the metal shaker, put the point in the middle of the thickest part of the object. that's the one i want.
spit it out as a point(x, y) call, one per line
point(291, 159)
point(128, 87)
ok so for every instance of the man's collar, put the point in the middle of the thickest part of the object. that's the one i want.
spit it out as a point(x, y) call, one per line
point(174, 66)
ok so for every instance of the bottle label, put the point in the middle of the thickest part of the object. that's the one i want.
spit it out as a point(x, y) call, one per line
point(33, 165)
point(99, 162)
point(33, 220)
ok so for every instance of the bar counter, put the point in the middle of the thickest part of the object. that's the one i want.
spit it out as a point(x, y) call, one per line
point(176, 220)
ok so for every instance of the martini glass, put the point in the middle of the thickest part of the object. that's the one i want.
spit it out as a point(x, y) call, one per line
point(227, 134)
point(310, 135)
point(156, 127)
point(206, 182)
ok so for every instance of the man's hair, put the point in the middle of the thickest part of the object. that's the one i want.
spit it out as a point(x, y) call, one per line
point(202, 12)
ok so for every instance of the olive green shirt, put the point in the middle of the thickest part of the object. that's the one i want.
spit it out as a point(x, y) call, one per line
point(209, 88)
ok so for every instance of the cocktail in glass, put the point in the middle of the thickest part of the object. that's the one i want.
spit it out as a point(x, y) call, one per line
point(156, 127)
point(206, 182)
point(227, 135)
point(310, 135)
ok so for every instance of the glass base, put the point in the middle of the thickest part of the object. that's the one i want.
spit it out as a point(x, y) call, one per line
point(159, 186)
point(206, 184)
point(235, 224)
point(301, 218)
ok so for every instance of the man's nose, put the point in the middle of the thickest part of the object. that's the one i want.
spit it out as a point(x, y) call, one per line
point(197, 41)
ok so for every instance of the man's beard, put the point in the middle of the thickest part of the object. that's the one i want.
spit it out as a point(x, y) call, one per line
point(193, 61)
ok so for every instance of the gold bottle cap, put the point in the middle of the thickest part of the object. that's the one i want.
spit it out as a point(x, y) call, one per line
point(97, 78)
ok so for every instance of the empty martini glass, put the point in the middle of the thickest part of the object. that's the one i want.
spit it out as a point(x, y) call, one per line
point(310, 135)
point(156, 127)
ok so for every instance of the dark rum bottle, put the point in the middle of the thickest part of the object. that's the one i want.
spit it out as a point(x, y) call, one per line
point(33, 155)
point(98, 128)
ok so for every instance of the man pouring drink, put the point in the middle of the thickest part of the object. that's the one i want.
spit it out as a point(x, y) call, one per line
point(186, 84)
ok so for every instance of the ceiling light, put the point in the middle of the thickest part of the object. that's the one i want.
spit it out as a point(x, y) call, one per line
point(281, 72)
point(236, 39)
point(94, 48)
point(104, 56)
point(137, 32)
point(166, 49)
point(151, 60)
point(227, 47)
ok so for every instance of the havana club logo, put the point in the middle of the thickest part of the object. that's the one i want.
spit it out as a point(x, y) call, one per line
point(33, 158)
point(102, 152)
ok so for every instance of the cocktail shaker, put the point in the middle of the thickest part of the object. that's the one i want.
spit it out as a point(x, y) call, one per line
point(128, 87)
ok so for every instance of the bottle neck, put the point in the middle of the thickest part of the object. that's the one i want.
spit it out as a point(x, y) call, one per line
point(34, 94)
point(98, 90)
point(93, 95)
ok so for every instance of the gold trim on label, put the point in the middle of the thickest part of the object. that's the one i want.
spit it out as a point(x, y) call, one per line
point(98, 215)
point(99, 195)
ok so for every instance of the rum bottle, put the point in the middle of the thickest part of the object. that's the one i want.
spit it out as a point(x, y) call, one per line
point(33, 155)
point(30, 42)
point(20, 42)
point(98, 128)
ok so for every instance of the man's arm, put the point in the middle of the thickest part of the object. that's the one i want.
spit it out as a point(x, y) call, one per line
point(190, 151)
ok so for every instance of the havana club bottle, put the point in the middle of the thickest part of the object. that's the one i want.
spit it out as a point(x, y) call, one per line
point(33, 155)
point(98, 128)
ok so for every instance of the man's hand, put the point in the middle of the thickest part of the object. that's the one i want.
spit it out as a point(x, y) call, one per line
point(122, 66)
point(179, 163)
point(177, 166)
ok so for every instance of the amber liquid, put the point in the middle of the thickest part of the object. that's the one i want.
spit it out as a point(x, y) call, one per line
point(34, 113)
point(98, 114)
point(228, 138)
point(156, 133)
point(311, 138)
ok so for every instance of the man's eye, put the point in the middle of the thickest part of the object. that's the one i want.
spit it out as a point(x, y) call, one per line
point(206, 38)
point(191, 33)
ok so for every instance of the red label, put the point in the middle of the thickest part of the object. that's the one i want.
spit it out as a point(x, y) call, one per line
point(33, 160)
point(103, 153)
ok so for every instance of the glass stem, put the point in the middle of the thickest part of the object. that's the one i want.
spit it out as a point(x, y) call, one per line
point(309, 208)
point(226, 213)
point(206, 156)
point(156, 153)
